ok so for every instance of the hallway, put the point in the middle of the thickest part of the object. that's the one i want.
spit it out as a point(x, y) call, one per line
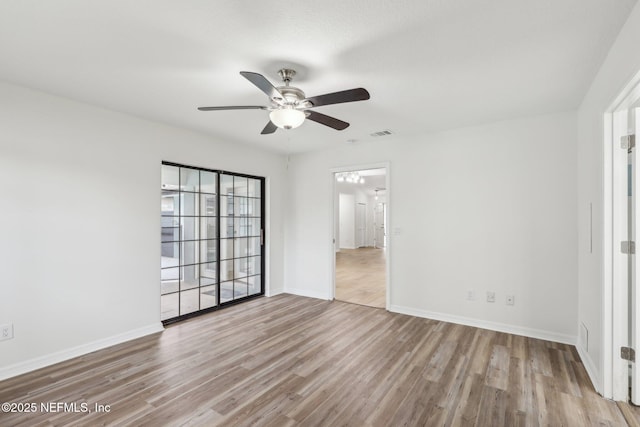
point(361, 276)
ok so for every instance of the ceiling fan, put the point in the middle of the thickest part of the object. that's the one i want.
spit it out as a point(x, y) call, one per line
point(289, 106)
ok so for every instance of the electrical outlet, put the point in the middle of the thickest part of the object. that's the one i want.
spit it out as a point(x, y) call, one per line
point(6, 332)
point(511, 300)
point(491, 297)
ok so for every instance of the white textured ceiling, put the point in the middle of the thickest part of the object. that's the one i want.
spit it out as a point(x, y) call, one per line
point(428, 64)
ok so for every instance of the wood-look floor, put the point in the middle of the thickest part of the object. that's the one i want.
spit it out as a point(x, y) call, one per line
point(361, 276)
point(290, 360)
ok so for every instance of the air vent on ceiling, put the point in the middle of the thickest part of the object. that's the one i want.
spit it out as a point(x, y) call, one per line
point(381, 133)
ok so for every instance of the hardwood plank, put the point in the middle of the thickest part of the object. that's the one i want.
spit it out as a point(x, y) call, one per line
point(498, 370)
point(631, 413)
point(361, 276)
point(289, 360)
point(492, 408)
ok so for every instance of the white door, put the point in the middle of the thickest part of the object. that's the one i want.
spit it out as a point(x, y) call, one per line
point(347, 221)
point(380, 217)
point(634, 295)
point(361, 224)
point(625, 376)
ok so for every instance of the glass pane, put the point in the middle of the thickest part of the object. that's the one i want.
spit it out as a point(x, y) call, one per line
point(168, 274)
point(226, 184)
point(208, 182)
point(240, 206)
point(189, 204)
point(170, 230)
point(254, 187)
point(189, 228)
point(253, 266)
point(226, 205)
point(226, 291)
point(239, 288)
point(208, 228)
point(207, 297)
point(189, 179)
point(170, 177)
point(241, 266)
point(241, 227)
point(254, 285)
point(226, 270)
point(189, 254)
point(170, 254)
point(254, 246)
point(254, 207)
point(226, 227)
point(241, 247)
point(208, 250)
point(239, 186)
point(226, 248)
point(189, 277)
point(208, 205)
point(169, 203)
point(169, 280)
point(253, 227)
point(208, 274)
point(169, 306)
point(189, 301)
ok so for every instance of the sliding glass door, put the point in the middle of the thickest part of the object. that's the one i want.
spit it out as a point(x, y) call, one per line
point(212, 238)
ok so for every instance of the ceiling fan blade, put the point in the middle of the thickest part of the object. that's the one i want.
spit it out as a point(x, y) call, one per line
point(323, 119)
point(233, 107)
point(350, 95)
point(269, 128)
point(264, 85)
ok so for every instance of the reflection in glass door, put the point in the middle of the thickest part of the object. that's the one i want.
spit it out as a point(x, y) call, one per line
point(210, 256)
point(240, 237)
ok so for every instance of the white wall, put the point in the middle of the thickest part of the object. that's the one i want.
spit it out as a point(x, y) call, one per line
point(80, 241)
point(495, 211)
point(621, 64)
point(347, 208)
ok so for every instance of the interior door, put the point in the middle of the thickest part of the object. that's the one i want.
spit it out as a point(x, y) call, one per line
point(633, 294)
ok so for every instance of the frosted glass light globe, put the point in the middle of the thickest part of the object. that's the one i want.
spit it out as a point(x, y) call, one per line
point(287, 118)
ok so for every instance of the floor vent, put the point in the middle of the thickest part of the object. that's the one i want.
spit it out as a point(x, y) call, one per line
point(381, 133)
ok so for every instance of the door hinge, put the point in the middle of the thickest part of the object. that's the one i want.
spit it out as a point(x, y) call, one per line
point(628, 247)
point(627, 353)
point(627, 142)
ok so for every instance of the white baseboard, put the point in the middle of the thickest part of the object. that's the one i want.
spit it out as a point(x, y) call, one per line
point(590, 368)
point(60, 356)
point(274, 292)
point(308, 293)
point(484, 324)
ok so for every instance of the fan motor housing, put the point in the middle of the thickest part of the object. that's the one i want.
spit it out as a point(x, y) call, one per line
point(292, 94)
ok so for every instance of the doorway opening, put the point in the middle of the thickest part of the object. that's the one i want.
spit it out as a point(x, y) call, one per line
point(212, 234)
point(360, 236)
point(622, 378)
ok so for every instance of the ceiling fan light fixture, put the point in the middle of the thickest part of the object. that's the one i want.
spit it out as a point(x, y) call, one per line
point(287, 118)
point(289, 106)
